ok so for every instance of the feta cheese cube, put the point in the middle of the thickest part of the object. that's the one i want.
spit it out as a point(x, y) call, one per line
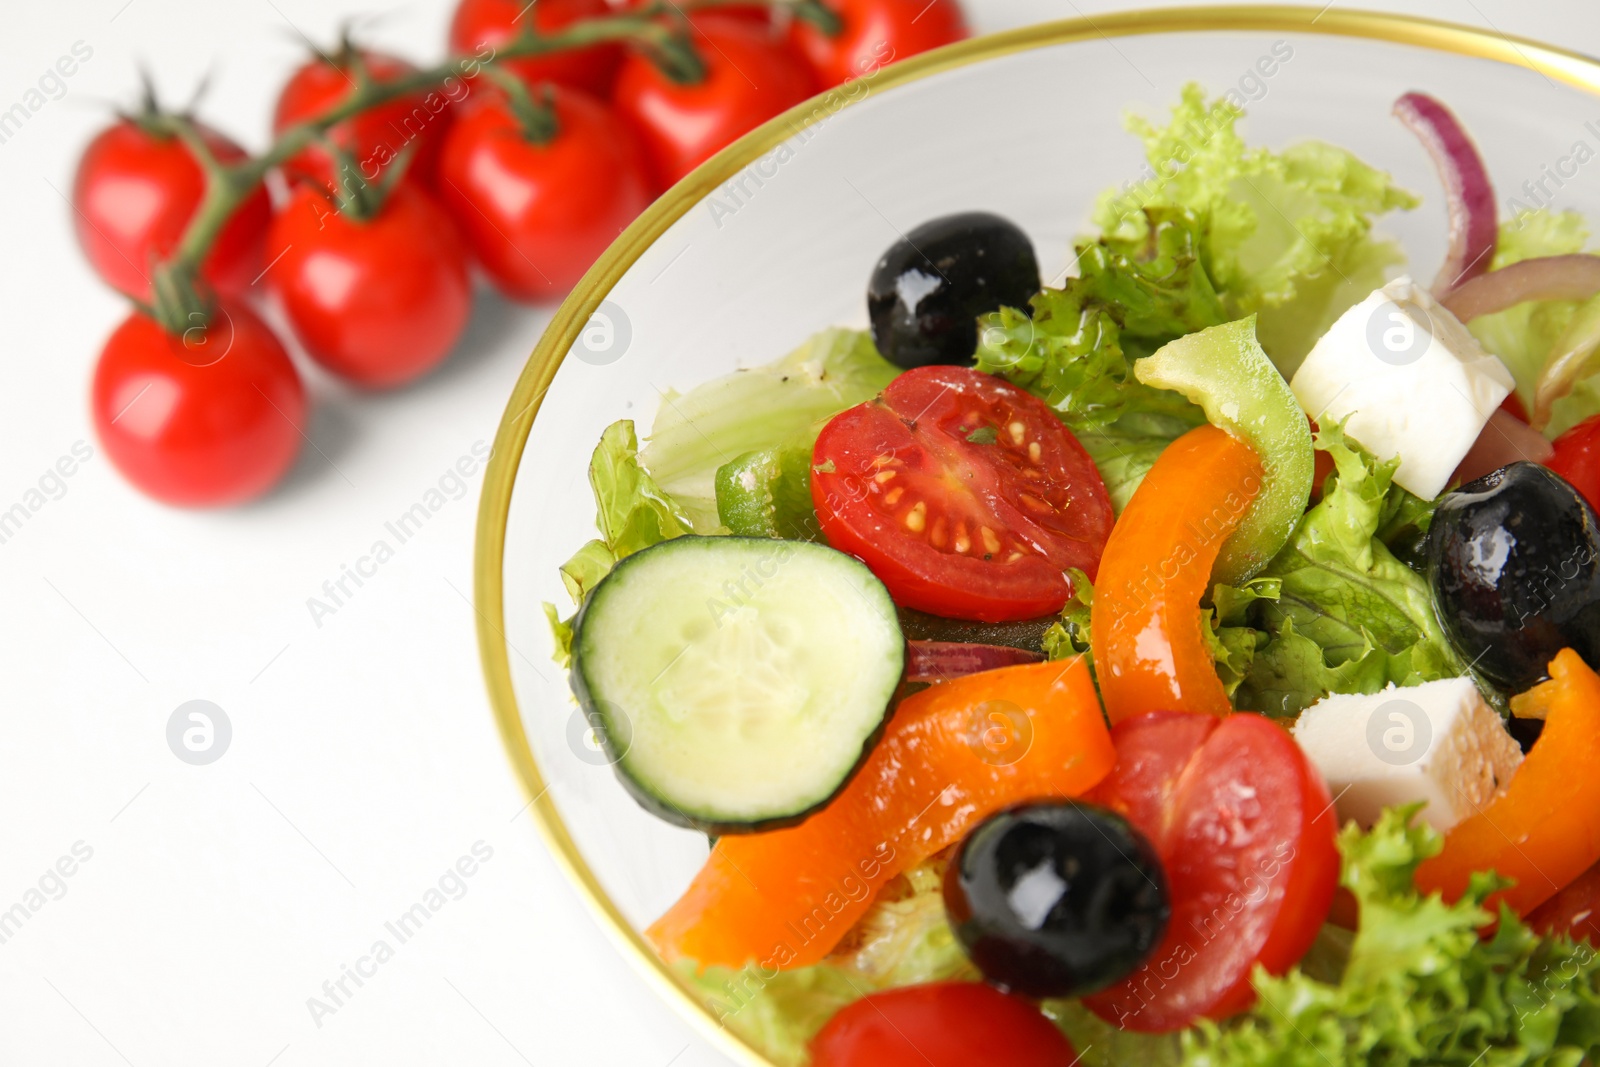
point(1437, 742)
point(1412, 380)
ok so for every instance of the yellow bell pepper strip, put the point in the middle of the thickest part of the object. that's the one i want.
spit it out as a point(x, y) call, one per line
point(1149, 651)
point(1544, 829)
point(952, 755)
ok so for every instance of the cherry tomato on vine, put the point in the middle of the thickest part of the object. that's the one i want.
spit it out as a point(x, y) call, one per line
point(876, 33)
point(375, 138)
point(538, 215)
point(965, 495)
point(381, 300)
point(205, 418)
point(1577, 458)
point(495, 22)
point(946, 1024)
point(750, 77)
point(134, 195)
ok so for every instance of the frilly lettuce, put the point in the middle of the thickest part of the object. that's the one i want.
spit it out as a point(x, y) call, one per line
point(1336, 610)
point(632, 513)
point(1076, 348)
point(903, 940)
point(1285, 234)
point(1524, 336)
point(1419, 985)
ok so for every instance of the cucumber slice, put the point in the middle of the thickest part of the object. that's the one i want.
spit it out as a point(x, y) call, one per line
point(737, 682)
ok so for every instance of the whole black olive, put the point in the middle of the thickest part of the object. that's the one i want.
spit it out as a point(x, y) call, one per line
point(1514, 561)
point(1057, 899)
point(929, 288)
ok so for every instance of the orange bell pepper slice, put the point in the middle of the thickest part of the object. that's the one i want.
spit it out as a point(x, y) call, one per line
point(1149, 651)
point(1544, 828)
point(951, 756)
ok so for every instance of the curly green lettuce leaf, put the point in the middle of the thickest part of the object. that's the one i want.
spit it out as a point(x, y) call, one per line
point(1346, 614)
point(1523, 336)
point(904, 939)
point(779, 404)
point(1070, 635)
point(1419, 985)
point(1075, 349)
point(632, 512)
point(1286, 234)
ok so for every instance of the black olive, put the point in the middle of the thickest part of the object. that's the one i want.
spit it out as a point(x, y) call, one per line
point(1514, 561)
point(1056, 899)
point(929, 288)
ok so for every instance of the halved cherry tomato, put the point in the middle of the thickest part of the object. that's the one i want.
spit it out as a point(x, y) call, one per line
point(963, 493)
point(375, 138)
point(134, 195)
point(749, 79)
point(876, 33)
point(380, 301)
point(951, 756)
point(1245, 830)
point(538, 215)
point(1544, 829)
point(207, 418)
point(946, 1024)
point(482, 26)
point(1574, 912)
point(1149, 651)
point(1577, 458)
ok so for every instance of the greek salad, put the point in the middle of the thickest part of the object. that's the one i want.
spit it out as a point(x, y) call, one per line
point(1191, 663)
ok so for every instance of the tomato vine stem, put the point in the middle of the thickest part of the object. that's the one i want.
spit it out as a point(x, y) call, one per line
point(657, 27)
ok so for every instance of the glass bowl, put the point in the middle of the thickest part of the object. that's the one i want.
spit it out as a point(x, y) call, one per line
point(773, 239)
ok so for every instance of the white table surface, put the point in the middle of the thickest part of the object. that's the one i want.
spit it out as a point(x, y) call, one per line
point(217, 900)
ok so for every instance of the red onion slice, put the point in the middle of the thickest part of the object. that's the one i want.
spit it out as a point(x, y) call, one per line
point(938, 661)
point(1506, 439)
point(1469, 194)
point(1574, 277)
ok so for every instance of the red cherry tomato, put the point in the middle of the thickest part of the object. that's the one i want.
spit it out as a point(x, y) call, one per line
point(206, 418)
point(876, 33)
point(963, 493)
point(376, 137)
point(946, 1024)
point(481, 26)
point(134, 195)
point(1574, 912)
point(538, 215)
point(381, 300)
point(749, 78)
point(1577, 458)
point(1245, 830)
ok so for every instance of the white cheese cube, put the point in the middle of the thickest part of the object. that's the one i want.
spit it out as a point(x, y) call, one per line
point(1437, 742)
point(1412, 380)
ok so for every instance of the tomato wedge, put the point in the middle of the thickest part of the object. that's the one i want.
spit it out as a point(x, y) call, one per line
point(1149, 651)
point(1245, 830)
point(963, 493)
point(1544, 829)
point(952, 755)
point(1574, 912)
point(945, 1024)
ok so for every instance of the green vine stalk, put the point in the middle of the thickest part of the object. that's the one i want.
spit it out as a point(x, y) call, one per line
point(658, 28)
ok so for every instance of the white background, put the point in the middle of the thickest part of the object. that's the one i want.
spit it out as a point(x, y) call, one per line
point(364, 761)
